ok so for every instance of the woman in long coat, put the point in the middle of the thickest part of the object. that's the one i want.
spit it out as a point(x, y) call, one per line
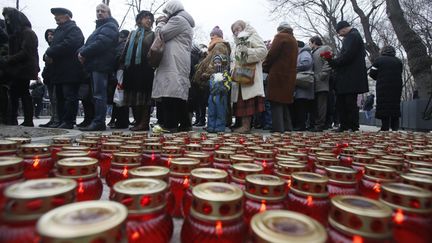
point(248, 99)
point(387, 71)
point(171, 84)
point(138, 74)
point(281, 64)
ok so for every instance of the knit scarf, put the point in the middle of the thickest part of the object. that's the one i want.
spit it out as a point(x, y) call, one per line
point(214, 41)
point(140, 32)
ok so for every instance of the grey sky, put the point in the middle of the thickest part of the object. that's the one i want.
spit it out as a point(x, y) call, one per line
point(207, 14)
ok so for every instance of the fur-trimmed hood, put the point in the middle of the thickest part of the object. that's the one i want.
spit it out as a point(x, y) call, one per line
point(17, 21)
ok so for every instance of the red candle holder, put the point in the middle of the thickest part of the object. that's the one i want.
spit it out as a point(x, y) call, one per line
point(323, 163)
point(375, 176)
point(168, 154)
point(302, 158)
point(11, 172)
point(250, 150)
point(284, 151)
point(93, 151)
point(209, 147)
point(239, 148)
point(198, 176)
point(156, 172)
point(180, 180)
point(131, 148)
point(342, 181)
point(286, 226)
point(284, 169)
point(419, 180)
point(57, 144)
point(19, 140)
point(359, 163)
point(121, 164)
point(412, 211)
point(8, 148)
point(241, 170)
point(397, 165)
point(92, 221)
point(69, 154)
point(266, 159)
point(37, 160)
point(84, 170)
point(222, 159)
point(106, 155)
point(193, 148)
point(312, 154)
point(358, 219)
point(239, 158)
point(308, 195)
point(204, 158)
point(147, 218)
point(262, 193)
point(29, 200)
point(215, 215)
point(412, 157)
point(152, 154)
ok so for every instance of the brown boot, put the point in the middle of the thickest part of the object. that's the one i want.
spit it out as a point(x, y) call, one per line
point(245, 128)
point(143, 125)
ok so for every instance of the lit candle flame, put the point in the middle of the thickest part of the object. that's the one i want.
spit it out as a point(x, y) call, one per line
point(263, 206)
point(153, 157)
point(399, 217)
point(169, 161)
point(135, 235)
point(264, 163)
point(377, 187)
point(80, 187)
point(36, 162)
point(289, 183)
point(219, 230)
point(357, 239)
point(125, 172)
point(186, 182)
point(309, 201)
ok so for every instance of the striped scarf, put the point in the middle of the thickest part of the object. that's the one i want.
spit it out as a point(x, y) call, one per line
point(140, 33)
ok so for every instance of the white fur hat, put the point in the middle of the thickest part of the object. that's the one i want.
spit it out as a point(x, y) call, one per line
point(172, 7)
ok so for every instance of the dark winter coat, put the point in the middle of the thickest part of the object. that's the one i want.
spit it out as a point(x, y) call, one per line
point(387, 71)
point(37, 90)
point(66, 68)
point(23, 59)
point(99, 50)
point(48, 72)
point(280, 63)
point(350, 65)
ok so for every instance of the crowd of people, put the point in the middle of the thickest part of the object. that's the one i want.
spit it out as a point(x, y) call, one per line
point(280, 85)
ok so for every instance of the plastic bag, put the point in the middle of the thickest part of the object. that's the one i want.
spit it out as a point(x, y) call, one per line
point(119, 92)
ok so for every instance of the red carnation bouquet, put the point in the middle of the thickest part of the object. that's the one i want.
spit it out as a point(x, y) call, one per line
point(327, 55)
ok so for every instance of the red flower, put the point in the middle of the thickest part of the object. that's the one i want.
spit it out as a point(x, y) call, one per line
point(327, 55)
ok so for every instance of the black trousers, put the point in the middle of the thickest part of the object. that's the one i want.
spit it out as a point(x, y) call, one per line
point(346, 105)
point(4, 104)
point(320, 112)
point(387, 122)
point(19, 90)
point(37, 102)
point(67, 102)
point(175, 113)
point(302, 109)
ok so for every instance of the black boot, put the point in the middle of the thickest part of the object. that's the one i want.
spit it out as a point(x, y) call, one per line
point(28, 111)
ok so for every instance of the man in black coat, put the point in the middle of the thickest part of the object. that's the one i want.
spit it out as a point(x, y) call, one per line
point(351, 76)
point(98, 56)
point(21, 65)
point(67, 72)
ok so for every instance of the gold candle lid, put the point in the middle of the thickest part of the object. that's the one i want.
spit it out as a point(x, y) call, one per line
point(71, 154)
point(239, 148)
point(131, 148)
point(286, 158)
point(61, 141)
point(30, 199)
point(240, 158)
point(241, 170)
point(413, 156)
point(284, 150)
point(214, 201)
point(380, 173)
point(141, 195)
point(397, 165)
point(326, 161)
point(183, 166)
point(421, 170)
point(285, 169)
point(134, 141)
point(267, 146)
point(406, 197)
point(315, 150)
point(208, 145)
point(83, 222)
point(204, 158)
point(419, 180)
point(414, 164)
point(349, 151)
point(227, 147)
point(126, 158)
point(78, 167)
point(264, 155)
point(341, 174)
point(203, 175)
point(155, 172)
point(302, 157)
point(110, 147)
point(265, 187)
point(171, 151)
point(152, 148)
point(31, 150)
point(8, 146)
point(117, 133)
point(92, 144)
point(223, 155)
point(326, 154)
point(155, 139)
point(19, 140)
point(76, 148)
point(361, 159)
point(251, 150)
point(193, 147)
point(309, 184)
point(115, 140)
point(355, 215)
point(10, 166)
point(376, 154)
point(283, 226)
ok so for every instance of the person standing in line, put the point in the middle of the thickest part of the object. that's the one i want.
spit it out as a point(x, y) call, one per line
point(4, 84)
point(387, 71)
point(280, 63)
point(322, 71)
point(351, 76)
point(37, 93)
point(248, 99)
point(21, 65)
point(98, 57)
point(67, 73)
point(138, 74)
point(171, 84)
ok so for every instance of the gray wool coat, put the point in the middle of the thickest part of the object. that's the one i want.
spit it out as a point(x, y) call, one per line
point(321, 69)
point(172, 75)
point(304, 63)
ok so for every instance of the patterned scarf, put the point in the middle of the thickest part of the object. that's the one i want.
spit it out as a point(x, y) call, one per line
point(140, 33)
